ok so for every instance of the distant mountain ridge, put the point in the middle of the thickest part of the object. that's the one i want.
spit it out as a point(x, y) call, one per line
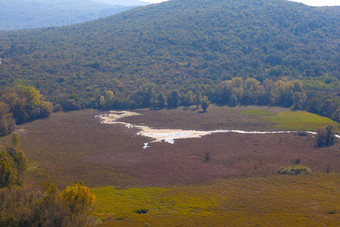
point(179, 44)
point(122, 2)
point(23, 14)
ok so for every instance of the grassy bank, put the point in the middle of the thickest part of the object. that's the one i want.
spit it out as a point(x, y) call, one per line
point(292, 120)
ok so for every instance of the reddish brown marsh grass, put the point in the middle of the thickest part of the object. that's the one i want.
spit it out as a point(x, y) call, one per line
point(75, 146)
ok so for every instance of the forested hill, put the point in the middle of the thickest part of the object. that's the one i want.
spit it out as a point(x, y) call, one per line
point(176, 44)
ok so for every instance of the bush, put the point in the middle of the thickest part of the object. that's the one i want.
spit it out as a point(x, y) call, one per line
point(12, 164)
point(8, 172)
point(38, 207)
point(294, 170)
point(302, 133)
point(142, 211)
point(78, 199)
point(325, 137)
point(205, 103)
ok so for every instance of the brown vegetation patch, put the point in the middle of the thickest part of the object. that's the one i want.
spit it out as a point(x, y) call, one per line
point(75, 146)
point(216, 117)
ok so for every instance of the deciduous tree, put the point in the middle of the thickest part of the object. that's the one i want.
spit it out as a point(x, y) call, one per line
point(205, 103)
point(325, 137)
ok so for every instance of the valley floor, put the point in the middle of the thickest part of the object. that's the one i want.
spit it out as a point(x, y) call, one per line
point(220, 179)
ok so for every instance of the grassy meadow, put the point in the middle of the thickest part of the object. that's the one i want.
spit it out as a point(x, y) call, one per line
point(253, 201)
point(174, 184)
point(292, 120)
point(300, 120)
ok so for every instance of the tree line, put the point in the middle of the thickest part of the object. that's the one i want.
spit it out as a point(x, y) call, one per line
point(19, 105)
point(25, 103)
point(236, 91)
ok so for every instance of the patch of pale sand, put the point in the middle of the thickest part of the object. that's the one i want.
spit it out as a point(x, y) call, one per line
point(170, 135)
point(113, 116)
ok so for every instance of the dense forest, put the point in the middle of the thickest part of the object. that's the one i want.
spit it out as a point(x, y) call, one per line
point(153, 55)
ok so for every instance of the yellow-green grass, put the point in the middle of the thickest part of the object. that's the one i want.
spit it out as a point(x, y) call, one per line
point(311, 200)
point(300, 120)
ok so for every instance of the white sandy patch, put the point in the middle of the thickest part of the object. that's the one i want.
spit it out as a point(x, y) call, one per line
point(170, 135)
point(113, 116)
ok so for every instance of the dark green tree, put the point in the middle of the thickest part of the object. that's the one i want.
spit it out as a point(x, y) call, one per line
point(189, 99)
point(20, 161)
point(8, 172)
point(205, 103)
point(198, 99)
point(160, 100)
point(174, 99)
point(7, 123)
point(325, 137)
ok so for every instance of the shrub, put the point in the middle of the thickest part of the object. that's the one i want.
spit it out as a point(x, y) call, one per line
point(301, 133)
point(207, 157)
point(36, 207)
point(8, 172)
point(18, 163)
point(205, 103)
point(142, 211)
point(297, 161)
point(78, 198)
point(294, 170)
point(325, 137)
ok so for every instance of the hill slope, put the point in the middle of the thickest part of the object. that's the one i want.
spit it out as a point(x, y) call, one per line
point(179, 43)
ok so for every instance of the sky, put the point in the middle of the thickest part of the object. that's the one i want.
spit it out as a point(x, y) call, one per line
point(307, 2)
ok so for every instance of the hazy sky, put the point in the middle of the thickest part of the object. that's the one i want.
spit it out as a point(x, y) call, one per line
point(320, 2)
point(308, 2)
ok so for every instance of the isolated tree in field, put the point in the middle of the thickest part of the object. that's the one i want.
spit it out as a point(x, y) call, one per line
point(205, 103)
point(325, 137)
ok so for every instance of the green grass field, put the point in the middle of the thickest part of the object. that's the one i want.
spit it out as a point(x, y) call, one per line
point(300, 120)
point(292, 120)
point(254, 201)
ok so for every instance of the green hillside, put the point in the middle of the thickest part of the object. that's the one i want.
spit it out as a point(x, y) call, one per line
point(182, 44)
